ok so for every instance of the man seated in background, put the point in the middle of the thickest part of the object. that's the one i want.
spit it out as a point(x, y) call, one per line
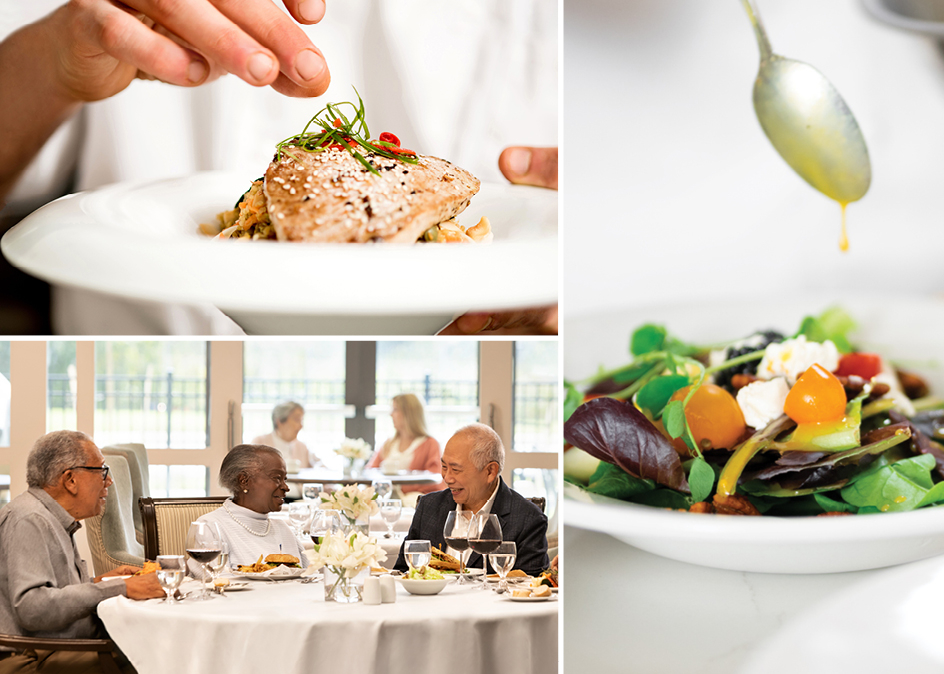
point(45, 589)
point(471, 468)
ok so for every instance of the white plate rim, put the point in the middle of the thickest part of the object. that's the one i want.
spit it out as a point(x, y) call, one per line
point(64, 243)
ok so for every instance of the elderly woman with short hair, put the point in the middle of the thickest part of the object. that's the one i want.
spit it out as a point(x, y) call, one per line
point(255, 475)
point(287, 420)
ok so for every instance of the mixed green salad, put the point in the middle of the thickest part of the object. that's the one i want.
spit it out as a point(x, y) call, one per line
point(773, 424)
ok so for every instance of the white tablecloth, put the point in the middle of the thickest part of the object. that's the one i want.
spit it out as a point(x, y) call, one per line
point(287, 627)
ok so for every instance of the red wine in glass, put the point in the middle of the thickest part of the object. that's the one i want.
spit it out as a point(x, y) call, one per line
point(483, 546)
point(458, 544)
point(204, 556)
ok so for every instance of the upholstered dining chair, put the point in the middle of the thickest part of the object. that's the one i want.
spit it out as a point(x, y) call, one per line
point(111, 537)
point(167, 520)
point(105, 647)
point(136, 456)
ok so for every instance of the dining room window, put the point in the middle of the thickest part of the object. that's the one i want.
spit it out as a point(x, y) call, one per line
point(151, 392)
point(443, 375)
point(535, 397)
point(60, 385)
point(310, 373)
point(178, 481)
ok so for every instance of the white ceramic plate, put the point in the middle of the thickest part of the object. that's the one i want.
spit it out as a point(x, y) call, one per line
point(234, 586)
point(547, 598)
point(278, 573)
point(889, 622)
point(908, 331)
point(140, 241)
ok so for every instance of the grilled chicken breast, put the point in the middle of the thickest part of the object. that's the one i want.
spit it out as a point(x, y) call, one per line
point(330, 196)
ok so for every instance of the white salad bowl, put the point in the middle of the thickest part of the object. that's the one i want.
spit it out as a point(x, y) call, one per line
point(420, 586)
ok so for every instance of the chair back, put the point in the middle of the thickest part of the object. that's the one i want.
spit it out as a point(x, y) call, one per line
point(111, 537)
point(167, 520)
point(539, 501)
point(136, 456)
point(105, 648)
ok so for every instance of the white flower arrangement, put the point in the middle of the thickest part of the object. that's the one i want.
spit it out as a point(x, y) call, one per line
point(354, 450)
point(352, 501)
point(348, 555)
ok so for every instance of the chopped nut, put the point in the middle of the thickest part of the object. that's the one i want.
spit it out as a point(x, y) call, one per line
point(912, 384)
point(702, 507)
point(734, 505)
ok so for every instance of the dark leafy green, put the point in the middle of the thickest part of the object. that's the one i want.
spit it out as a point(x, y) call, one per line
point(616, 432)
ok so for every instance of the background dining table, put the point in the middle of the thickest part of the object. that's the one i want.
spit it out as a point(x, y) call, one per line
point(287, 627)
point(327, 476)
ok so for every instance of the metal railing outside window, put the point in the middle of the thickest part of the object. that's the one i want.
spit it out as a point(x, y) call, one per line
point(159, 411)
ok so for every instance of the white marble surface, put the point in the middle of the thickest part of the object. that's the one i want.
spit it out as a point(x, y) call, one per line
point(631, 611)
point(672, 190)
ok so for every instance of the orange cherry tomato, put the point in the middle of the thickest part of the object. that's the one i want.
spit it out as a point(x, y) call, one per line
point(816, 397)
point(713, 415)
point(865, 365)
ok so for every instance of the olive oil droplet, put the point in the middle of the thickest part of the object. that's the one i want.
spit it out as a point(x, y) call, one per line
point(843, 237)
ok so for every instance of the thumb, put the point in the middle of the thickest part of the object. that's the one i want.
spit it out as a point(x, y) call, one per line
point(530, 166)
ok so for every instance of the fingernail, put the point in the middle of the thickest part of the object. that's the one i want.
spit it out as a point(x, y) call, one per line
point(519, 161)
point(309, 65)
point(312, 11)
point(260, 66)
point(196, 71)
point(471, 324)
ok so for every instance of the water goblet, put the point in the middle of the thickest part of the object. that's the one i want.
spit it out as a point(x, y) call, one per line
point(485, 535)
point(204, 544)
point(311, 492)
point(382, 487)
point(390, 512)
point(298, 515)
point(503, 561)
point(170, 575)
point(417, 553)
point(456, 533)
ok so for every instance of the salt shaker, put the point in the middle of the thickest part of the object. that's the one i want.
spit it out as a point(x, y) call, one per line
point(388, 589)
point(371, 590)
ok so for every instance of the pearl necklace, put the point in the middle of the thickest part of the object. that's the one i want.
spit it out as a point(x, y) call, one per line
point(254, 533)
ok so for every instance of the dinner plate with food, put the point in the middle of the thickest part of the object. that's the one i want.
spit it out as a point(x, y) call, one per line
point(539, 593)
point(333, 218)
point(273, 567)
point(798, 436)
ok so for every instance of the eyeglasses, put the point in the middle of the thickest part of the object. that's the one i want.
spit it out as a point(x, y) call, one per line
point(103, 469)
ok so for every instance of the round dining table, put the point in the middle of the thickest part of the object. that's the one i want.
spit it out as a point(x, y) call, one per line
point(366, 476)
point(287, 627)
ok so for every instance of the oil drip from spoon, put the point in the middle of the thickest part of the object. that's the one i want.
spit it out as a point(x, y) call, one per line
point(810, 125)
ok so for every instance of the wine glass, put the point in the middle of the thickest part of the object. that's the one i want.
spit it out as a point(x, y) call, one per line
point(311, 492)
point(221, 563)
point(503, 561)
point(485, 535)
point(390, 512)
point(382, 487)
point(298, 515)
point(456, 533)
point(170, 575)
point(417, 554)
point(325, 523)
point(204, 544)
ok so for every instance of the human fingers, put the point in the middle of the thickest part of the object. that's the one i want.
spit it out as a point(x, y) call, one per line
point(530, 166)
point(107, 31)
point(252, 39)
point(535, 321)
point(143, 587)
point(306, 11)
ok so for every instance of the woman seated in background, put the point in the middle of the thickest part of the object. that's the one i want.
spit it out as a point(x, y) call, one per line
point(287, 420)
point(410, 448)
point(255, 475)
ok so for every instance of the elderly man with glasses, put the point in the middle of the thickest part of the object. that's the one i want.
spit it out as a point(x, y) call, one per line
point(45, 588)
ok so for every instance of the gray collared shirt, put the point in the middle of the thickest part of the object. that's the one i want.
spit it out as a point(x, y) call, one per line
point(45, 589)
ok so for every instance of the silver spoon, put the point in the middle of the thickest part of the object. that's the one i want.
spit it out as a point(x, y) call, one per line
point(809, 123)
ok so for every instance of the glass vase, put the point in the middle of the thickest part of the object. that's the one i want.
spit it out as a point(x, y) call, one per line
point(360, 524)
point(343, 588)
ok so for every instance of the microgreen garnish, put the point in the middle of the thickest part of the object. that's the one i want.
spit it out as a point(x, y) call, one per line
point(335, 129)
